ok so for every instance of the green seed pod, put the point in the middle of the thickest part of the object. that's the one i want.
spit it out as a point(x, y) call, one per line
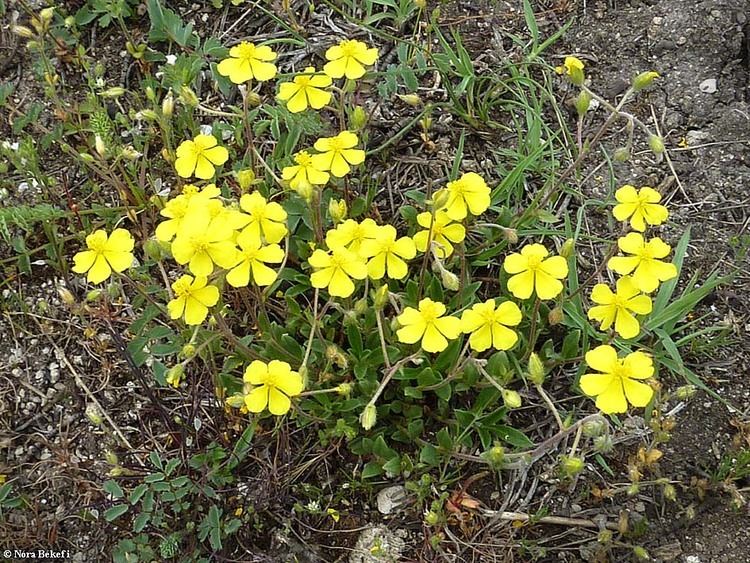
point(644, 80)
point(583, 101)
point(369, 417)
point(536, 369)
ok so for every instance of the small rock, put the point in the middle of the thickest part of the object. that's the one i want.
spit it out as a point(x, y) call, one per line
point(391, 499)
point(708, 86)
point(378, 544)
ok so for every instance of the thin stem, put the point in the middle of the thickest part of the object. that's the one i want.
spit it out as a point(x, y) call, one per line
point(313, 328)
point(389, 375)
point(532, 330)
point(550, 405)
point(383, 346)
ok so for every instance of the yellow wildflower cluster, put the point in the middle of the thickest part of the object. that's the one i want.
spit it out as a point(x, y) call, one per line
point(642, 270)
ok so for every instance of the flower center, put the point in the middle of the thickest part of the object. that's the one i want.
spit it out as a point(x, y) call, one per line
point(182, 289)
point(247, 51)
point(429, 313)
point(303, 80)
point(534, 262)
point(303, 159)
point(199, 243)
point(98, 246)
point(348, 48)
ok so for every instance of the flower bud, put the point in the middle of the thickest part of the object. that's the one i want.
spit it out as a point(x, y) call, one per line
point(686, 392)
point(410, 99)
point(670, 493)
point(69, 22)
point(47, 14)
point(536, 369)
point(644, 80)
point(603, 444)
point(114, 92)
point(188, 350)
point(431, 518)
point(380, 297)
point(621, 154)
point(425, 123)
point(641, 554)
point(571, 465)
point(337, 210)
point(22, 31)
point(236, 401)
point(633, 489)
point(369, 417)
point(167, 105)
point(188, 97)
point(147, 115)
point(306, 191)
point(439, 199)
point(245, 178)
point(336, 356)
point(94, 414)
point(111, 457)
point(594, 428)
point(511, 398)
point(450, 280)
point(421, 4)
point(556, 316)
point(495, 456)
point(150, 94)
point(357, 119)
point(345, 389)
point(583, 101)
point(656, 144)
point(66, 296)
point(511, 235)
point(129, 153)
point(32, 45)
point(568, 247)
point(604, 537)
point(253, 99)
point(174, 375)
point(153, 249)
point(93, 295)
point(361, 306)
point(100, 147)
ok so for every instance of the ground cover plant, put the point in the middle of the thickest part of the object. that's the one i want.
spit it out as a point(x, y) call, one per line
point(229, 226)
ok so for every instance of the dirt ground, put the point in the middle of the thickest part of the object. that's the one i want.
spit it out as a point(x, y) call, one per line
point(701, 104)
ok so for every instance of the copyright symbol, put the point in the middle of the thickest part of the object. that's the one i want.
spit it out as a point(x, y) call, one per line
point(7, 553)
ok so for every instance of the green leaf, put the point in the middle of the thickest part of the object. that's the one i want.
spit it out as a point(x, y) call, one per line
point(113, 488)
point(137, 493)
point(140, 521)
point(393, 466)
point(444, 440)
point(513, 437)
point(371, 469)
point(429, 455)
point(115, 512)
point(242, 447)
point(571, 345)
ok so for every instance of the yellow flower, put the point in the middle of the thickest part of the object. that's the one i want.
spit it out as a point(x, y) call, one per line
point(247, 62)
point(644, 261)
point(337, 153)
point(352, 235)
point(201, 243)
point(428, 325)
point(304, 175)
point(199, 157)
point(471, 191)
point(532, 272)
point(616, 307)
point(347, 59)
point(441, 234)
point(253, 256)
point(306, 90)
point(573, 68)
point(387, 254)
point(617, 379)
point(266, 218)
point(192, 299)
point(276, 383)
point(177, 207)
point(641, 206)
point(104, 254)
point(488, 325)
point(336, 269)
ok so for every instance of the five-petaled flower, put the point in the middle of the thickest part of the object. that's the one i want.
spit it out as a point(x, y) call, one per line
point(248, 62)
point(387, 254)
point(335, 269)
point(439, 233)
point(532, 271)
point(275, 383)
point(641, 206)
point(618, 307)
point(192, 299)
point(104, 254)
point(349, 59)
point(307, 89)
point(267, 219)
point(352, 235)
point(303, 175)
point(618, 379)
point(644, 262)
point(199, 157)
point(429, 325)
point(177, 207)
point(253, 257)
point(573, 68)
point(338, 153)
point(469, 191)
point(202, 242)
point(488, 325)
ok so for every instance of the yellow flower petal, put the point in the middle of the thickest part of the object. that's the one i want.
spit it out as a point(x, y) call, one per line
point(99, 271)
point(638, 394)
point(195, 311)
point(257, 399)
point(278, 403)
point(602, 358)
point(522, 285)
point(433, 340)
point(612, 399)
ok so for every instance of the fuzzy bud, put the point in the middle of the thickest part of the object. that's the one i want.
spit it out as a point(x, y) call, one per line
point(594, 428)
point(66, 296)
point(511, 398)
point(583, 101)
point(47, 14)
point(153, 249)
point(556, 316)
point(495, 456)
point(633, 489)
point(536, 369)
point(511, 235)
point(410, 99)
point(188, 350)
point(360, 306)
point(568, 248)
point(114, 92)
point(369, 417)
point(188, 97)
point(571, 465)
point(147, 115)
point(431, 518)
point(174, 375)
point(644, 80)
point(670, 493)
point(450, 280)
point(421, 4)
point(253, 99)
point(150, 94)
point(641, 554)
point(604, 537)
point(603, 444)
point(621, 154)
point(100, 147)
point(167, 105)
point(94, 414)
point(656, 144)
point(22, 31)
point(358, 118)
point(93, 295)
point(245, 178)
point(345, 389)
point(69, 22)
point(380, 297)
point(337, 210)
point(111, 457)
point(129, 153)
point(440, 199)
point(686, 392)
